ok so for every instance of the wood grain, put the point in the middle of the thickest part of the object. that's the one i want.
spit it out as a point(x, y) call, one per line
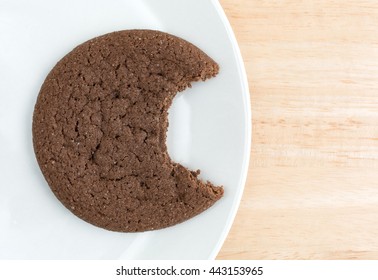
point(312, 187)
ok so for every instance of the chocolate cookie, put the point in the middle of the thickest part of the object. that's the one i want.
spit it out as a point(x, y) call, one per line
point(99, 131)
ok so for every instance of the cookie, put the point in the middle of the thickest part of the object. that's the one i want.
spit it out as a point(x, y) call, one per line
point(99, 131)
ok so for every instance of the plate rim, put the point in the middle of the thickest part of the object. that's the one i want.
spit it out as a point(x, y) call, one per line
point(248, 127)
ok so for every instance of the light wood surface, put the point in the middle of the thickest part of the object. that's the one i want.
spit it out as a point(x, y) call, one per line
point(312, 187)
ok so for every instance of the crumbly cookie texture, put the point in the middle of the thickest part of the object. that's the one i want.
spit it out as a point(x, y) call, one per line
point(99, 131)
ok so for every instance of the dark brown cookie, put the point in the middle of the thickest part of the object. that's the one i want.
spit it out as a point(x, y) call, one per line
point(99, 131)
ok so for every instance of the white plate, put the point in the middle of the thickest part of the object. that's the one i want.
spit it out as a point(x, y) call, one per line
point(210, 127)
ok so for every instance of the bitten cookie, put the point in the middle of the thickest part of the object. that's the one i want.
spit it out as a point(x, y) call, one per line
point(99, 131)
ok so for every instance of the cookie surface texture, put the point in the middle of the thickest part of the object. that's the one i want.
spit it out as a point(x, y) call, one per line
point(99, 131)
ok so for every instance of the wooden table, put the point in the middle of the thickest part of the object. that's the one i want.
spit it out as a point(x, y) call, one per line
point(312, 188)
